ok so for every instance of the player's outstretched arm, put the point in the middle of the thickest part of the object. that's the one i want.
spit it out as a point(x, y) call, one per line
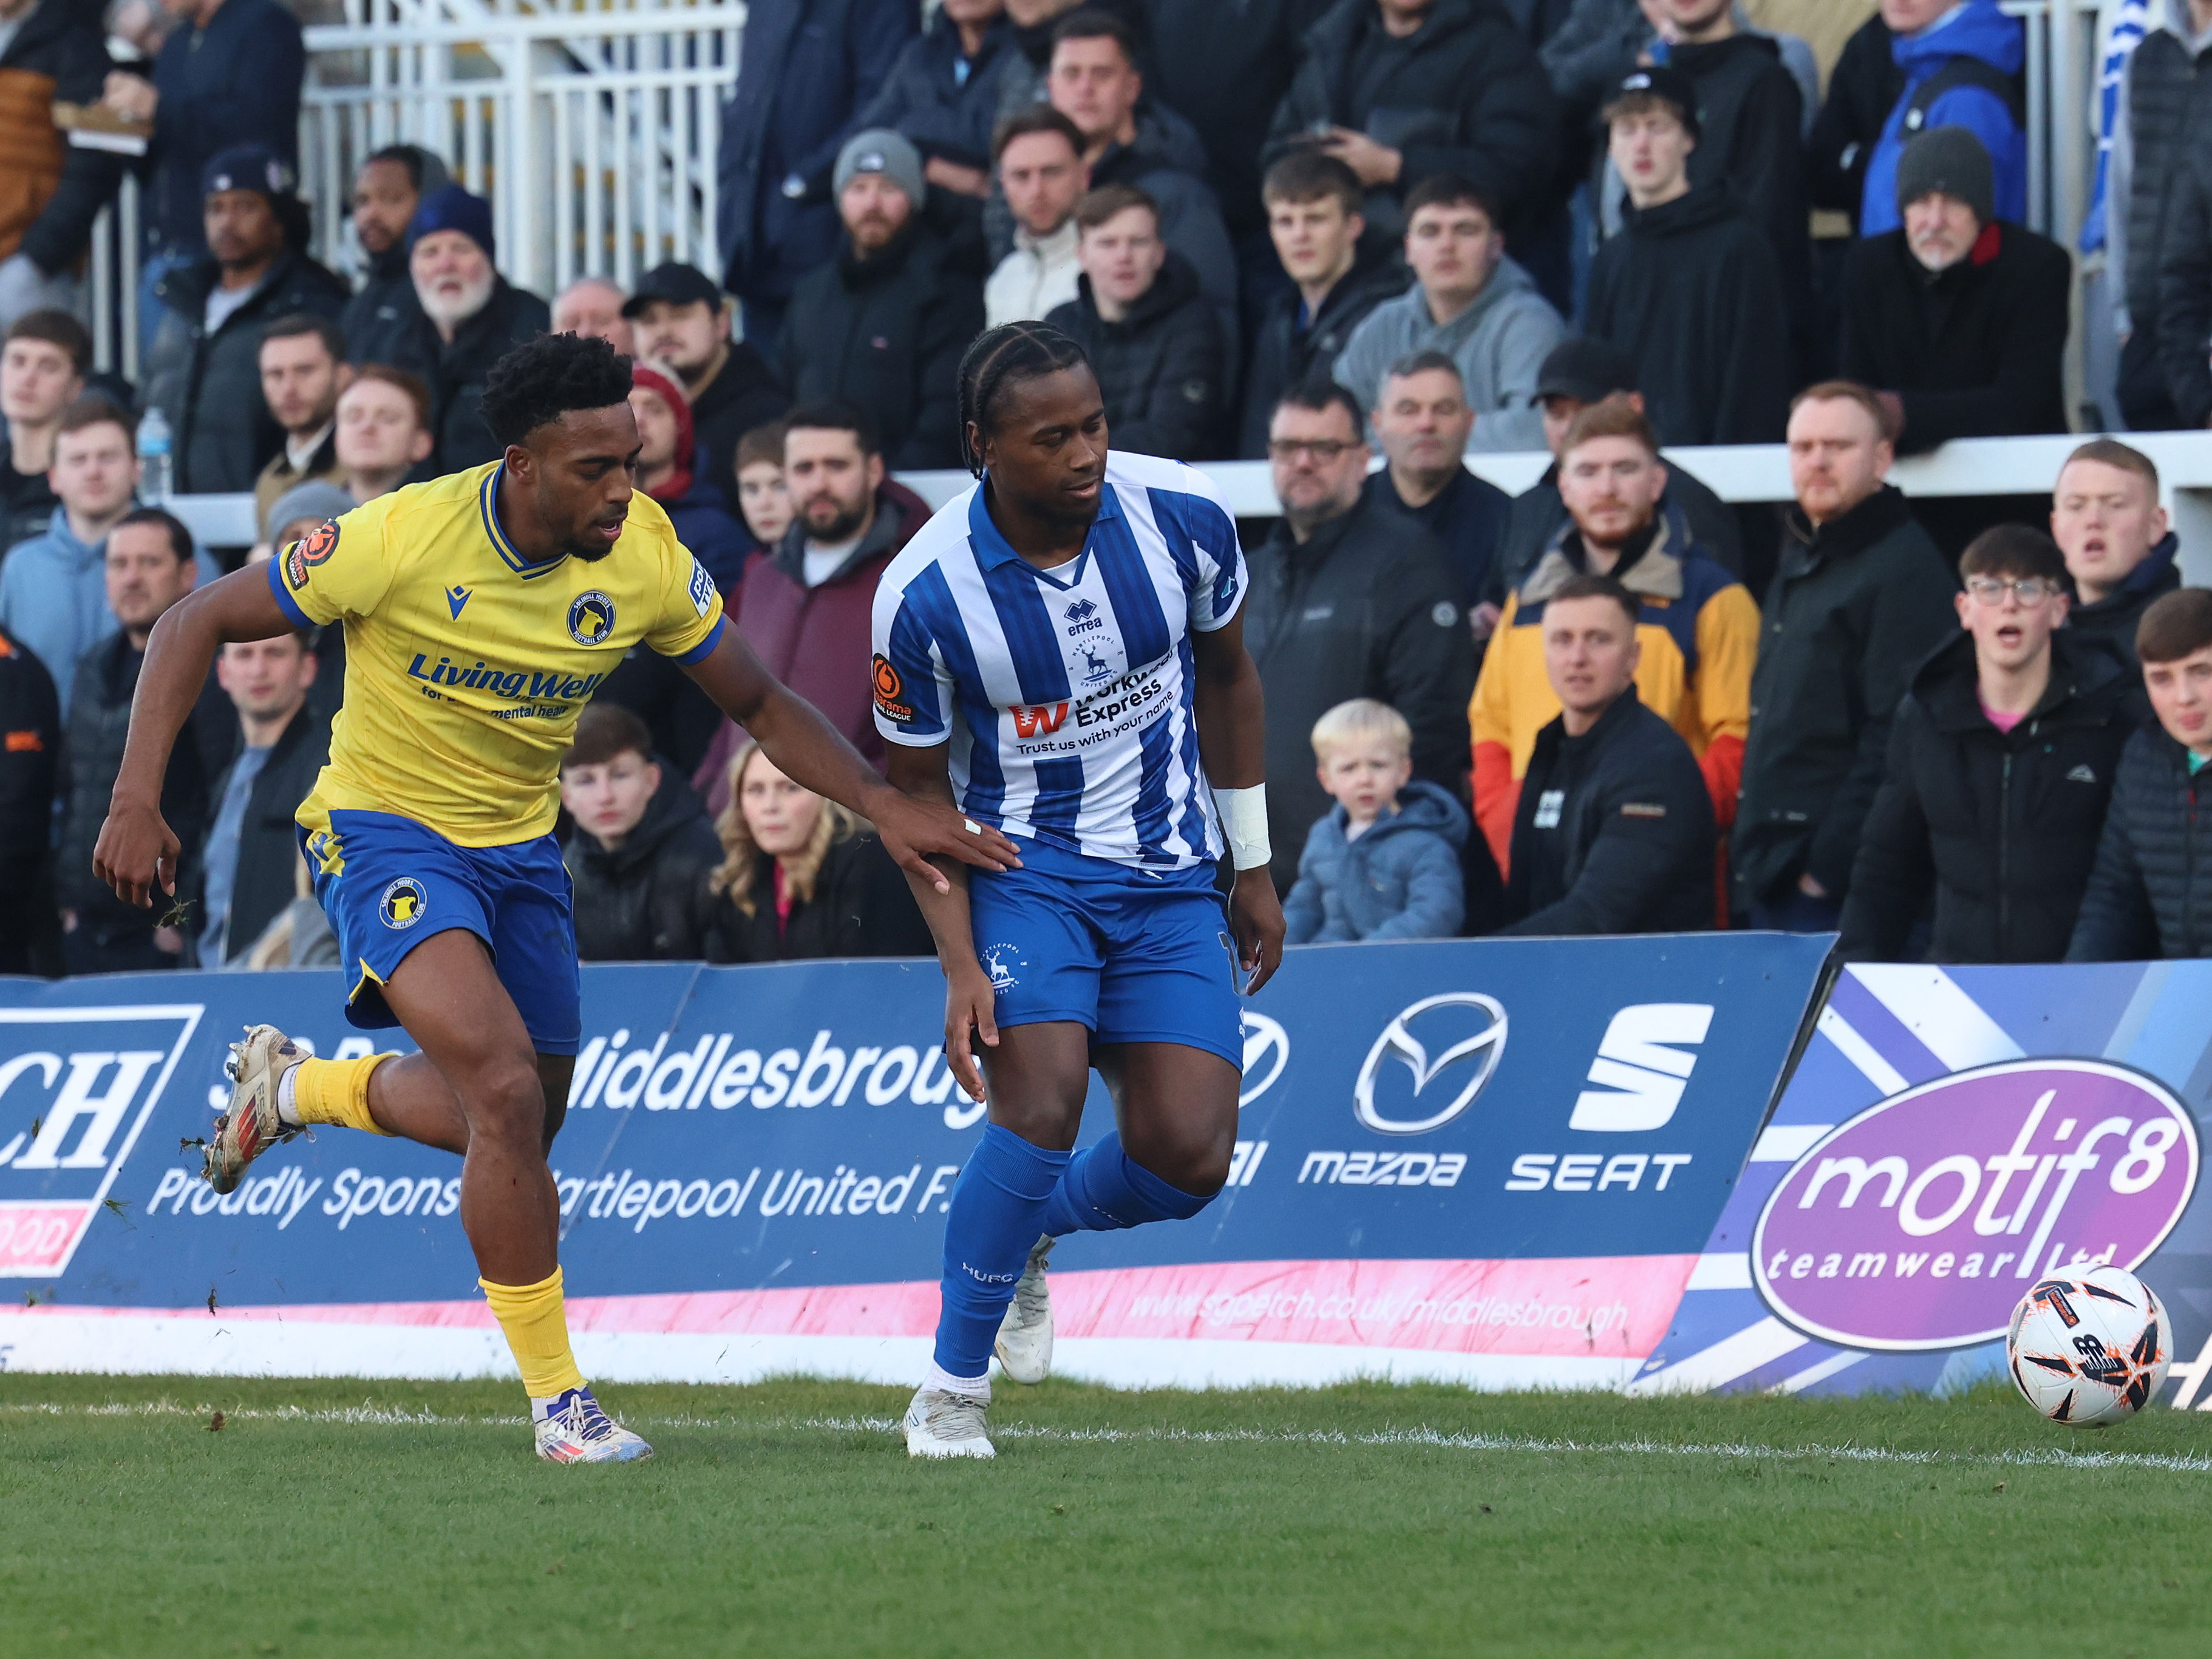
point(1232, 739)
point(137, 850)
point(922, 774)
point(812, 753)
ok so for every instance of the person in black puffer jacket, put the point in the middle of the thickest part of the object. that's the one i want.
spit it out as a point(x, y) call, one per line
point(2001, 764)
point(2150, 894)
point(1150, 336)
point(386, 189)
point(802, 879)
point(641, 848)
point(31, 715)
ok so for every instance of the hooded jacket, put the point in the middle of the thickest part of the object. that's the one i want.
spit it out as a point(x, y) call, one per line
point(1291, 348)
point(30, 756)
point(1863, 88)
point(1462, 94)
point(1500, 343)
point(887, 333)
point(1159, 369)
point(374, 317)
point(644, 900)
point(209, 385)
point(862, 906)
point(456, 373)
point(1401, 879)
point(2150, 890)
point(53, 599)
point(2113, 618)
point(1699, 635)
point(1976, 350)
point(1364, 607)
point(1614, 832)
point(1977, 30)
point(947, 112)
point(808, 69)
point(51, 191)
point(1855, 607)
point(1169, 165)
point(1537, 513)
point(745, 393)
point(2001, 827)
point(1691, 291)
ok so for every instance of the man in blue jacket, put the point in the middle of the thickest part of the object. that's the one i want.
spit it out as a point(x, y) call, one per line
point(810, 67)
point(1961, 62)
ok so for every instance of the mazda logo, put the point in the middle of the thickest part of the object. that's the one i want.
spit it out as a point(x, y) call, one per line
point(1485, 1049)
point(1266, 1051)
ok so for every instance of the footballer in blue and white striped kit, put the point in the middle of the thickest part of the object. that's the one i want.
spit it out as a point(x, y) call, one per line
point(1060, 652)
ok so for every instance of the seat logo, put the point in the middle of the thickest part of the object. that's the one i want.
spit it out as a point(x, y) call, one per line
point(590, 618)
point(1483, 1050)
point(403, 902)
point(1641, 1078)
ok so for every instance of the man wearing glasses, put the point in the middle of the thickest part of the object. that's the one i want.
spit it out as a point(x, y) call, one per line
point(2001, 766)
point(1348, 599)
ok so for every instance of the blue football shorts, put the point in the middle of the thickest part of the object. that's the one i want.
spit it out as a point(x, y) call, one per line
point(1137, 956)
point(388, 882)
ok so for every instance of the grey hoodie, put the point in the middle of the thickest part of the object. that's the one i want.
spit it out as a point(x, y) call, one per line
point(1500, 343)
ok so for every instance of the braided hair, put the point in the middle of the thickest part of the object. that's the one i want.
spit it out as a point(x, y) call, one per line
point(1010, 352)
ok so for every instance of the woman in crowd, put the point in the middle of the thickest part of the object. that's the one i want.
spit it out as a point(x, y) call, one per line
point(803, 877)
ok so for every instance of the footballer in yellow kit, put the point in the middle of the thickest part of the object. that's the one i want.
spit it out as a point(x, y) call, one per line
point(481, 612)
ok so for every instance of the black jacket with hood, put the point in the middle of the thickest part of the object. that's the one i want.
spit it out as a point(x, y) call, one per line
point(2002, 827)
point(1364, 607)
point(1463, 94)
point(1159, 369)
point(1863, 89)
point(644, 900)
point(2113, 618)
point(209, 385)
point(1855, 607)
point(455, 373)
point(1613, 833)
point(1691, 291)
point(2150, 893)
point(376, 317)
point(862, 906)
point(1285, 356)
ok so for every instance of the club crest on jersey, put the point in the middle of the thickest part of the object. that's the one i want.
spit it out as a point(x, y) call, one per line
point(403, 903)
point(1095, 669)
point(1083, 618)
point(590, 618)
point(890, 690)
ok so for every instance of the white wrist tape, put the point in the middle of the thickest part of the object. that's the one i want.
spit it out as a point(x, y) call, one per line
point(1245, 821)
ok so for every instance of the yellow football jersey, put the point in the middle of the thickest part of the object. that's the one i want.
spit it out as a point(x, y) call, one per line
point(467, 665)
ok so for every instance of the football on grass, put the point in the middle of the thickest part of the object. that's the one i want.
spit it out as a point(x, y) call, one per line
point(2089, 1348)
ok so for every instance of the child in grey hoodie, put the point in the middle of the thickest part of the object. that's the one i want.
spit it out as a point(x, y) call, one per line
point(1384, 863)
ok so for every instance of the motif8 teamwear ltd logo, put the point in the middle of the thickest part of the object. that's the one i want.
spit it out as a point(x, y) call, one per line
point(591, 617)
point(403, 903)
point(1483, 1048)
point(1920, 1223)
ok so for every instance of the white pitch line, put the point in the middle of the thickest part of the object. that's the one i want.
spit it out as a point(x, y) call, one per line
point(1438, 1439)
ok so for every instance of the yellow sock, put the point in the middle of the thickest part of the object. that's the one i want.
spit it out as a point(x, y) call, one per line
point(536, 1322)
point(337, 1091)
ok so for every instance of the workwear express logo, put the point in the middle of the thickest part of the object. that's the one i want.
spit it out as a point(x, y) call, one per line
point(1921, 1223)
point(77, 1086)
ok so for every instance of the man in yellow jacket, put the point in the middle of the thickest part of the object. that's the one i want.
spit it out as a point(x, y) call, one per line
point(1699, 628)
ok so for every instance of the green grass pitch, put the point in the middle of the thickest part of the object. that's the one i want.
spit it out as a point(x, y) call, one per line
point(372, 1518)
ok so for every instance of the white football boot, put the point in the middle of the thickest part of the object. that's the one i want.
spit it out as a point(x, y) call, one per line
point(577, 1431)
point(1025, 1343)
point(250, 1126)
point(942, 1424)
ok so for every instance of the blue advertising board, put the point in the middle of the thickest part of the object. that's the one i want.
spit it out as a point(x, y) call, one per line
point(1493, 1160)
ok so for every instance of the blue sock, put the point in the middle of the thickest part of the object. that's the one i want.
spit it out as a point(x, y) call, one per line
point(1104, 1189)
point(997, 1212)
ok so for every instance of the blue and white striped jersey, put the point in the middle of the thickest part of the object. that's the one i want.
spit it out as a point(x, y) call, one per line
point(1065, 694)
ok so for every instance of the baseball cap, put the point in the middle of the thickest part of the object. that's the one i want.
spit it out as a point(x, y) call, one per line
point(1586, 370)
point(673, 283)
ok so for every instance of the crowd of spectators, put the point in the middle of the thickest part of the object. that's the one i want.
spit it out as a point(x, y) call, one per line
point(1360, 240)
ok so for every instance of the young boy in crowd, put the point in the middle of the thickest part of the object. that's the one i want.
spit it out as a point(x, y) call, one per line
point(1384, 862)
point(762, 497)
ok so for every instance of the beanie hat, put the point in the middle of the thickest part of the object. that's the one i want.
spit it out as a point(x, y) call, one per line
point(317, 499)
point(879, 149)
point(454, 209)
point(247, 167)
point(661, 381)
point(1950, 160)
